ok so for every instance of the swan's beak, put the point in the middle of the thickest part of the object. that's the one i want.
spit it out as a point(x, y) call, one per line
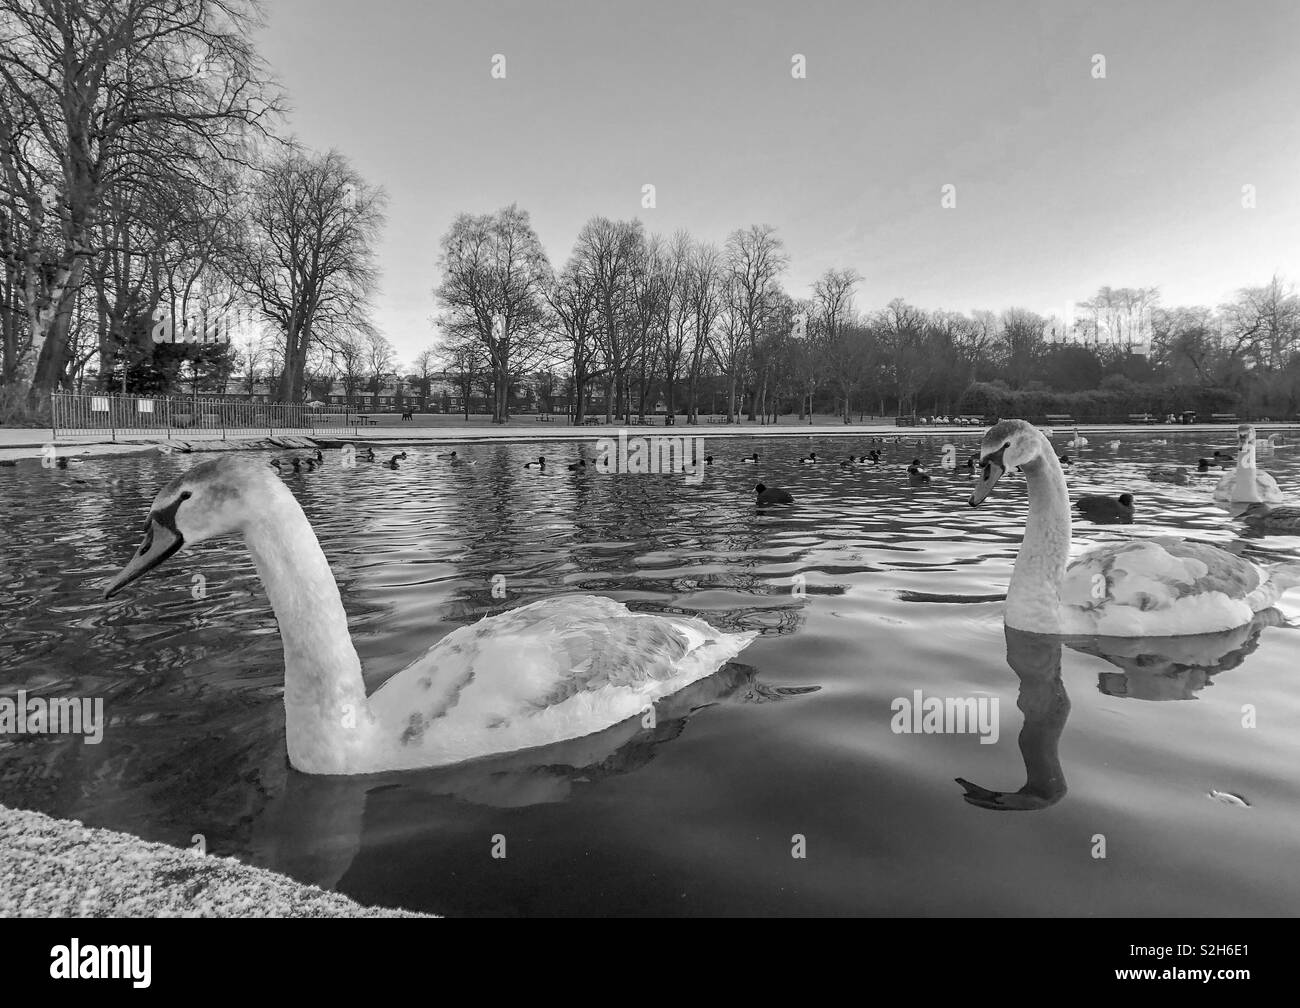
point(990, 472)
point(159, 543)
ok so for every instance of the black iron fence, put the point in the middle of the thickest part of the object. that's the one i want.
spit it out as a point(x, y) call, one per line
point(176, 416)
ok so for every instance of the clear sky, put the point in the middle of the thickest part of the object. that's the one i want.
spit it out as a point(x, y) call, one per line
point(1063, 182)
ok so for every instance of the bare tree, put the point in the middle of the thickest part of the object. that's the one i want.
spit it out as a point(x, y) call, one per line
point(495, 275)
point(309, 263)
point(98, 94)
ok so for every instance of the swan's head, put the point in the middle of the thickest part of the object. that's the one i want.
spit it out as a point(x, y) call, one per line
point(1007, 445)
point(1245, 436)
point(212, 499)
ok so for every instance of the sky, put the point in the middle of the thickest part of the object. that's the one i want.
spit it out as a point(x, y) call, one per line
point(1064, 181)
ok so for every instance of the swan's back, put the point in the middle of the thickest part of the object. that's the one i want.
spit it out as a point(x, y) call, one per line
point(1157, 588)
point(556, 669)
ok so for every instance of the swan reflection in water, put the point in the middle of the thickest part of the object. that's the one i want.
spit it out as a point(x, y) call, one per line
point(1153, 668)
point(314, 828)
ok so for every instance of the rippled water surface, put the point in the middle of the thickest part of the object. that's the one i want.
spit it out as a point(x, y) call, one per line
point(699, 814)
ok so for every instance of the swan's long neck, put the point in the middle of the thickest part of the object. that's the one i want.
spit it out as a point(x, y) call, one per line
point(327, 718)
point(1247, 485)
point(1034, 596)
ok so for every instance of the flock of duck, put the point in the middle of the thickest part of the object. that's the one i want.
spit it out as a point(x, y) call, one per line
point(571, 665)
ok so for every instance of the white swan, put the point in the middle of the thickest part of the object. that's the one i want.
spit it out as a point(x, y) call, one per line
point(1140, 588)
point(1079, 440)
point(1246, 484)
point(557, 669)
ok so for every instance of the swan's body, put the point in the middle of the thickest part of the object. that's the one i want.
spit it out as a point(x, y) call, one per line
point(1141, 588)
point(1079, 440)
point(1246, 484)
point(556, 669)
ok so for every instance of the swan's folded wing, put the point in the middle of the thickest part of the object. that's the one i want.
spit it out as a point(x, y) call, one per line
point(535, 658)
point(1154, 574)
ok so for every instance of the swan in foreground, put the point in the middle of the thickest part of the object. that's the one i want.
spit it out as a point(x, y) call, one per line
point(1246, 484)
point(1137, 588)
point(556, 669)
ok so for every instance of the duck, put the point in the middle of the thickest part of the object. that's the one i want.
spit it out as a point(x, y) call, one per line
point(292, 463)
point(1165, 587)
point(1158, 441)
point(1113, 445)
point(915, 474)
point(1167, 474)
point(392, 462)
point(1065, 460)
point(366, 454)
point(559, 668)
point(1205, 464)
point(871, 456)
point(708, 460)
point(578, 466)
point(809, 459)
point(67, 462)
point(773, 495)
point(1246, 484)
point(1224, 457)
point(539, 464)
point(846, 463)
point(972, 463)
point(1099, 507)
point(750, 458)
point(1266, 518)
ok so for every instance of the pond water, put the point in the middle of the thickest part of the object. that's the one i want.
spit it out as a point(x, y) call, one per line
point(1101, 743)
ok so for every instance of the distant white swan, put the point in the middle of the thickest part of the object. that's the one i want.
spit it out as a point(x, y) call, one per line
point(552, 670)
point(1246, 484)
point(1140, 588)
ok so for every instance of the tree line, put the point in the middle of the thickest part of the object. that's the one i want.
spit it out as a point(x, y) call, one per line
point(632, 320)
point(160, 231)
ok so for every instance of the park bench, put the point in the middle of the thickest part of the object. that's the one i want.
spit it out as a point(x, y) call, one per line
point(365, 418)
point(543, 418)
point(1142, 418)
point(905, 421)
point(1223, 418)
point(408, 415)
point(1060, 418)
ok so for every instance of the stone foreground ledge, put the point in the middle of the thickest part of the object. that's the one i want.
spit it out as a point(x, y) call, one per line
point(60, 868)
